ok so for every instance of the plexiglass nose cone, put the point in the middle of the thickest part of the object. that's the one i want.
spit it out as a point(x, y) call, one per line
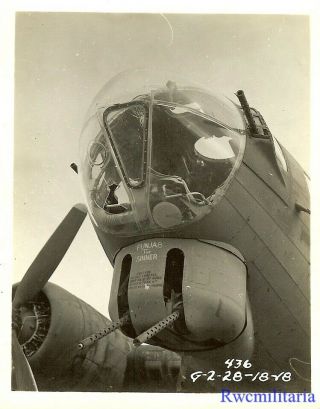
point(157, 152)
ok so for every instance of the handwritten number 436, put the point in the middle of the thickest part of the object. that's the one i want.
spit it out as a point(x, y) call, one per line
point(237, 363)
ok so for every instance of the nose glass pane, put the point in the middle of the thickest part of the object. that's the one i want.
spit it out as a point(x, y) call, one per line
point(127, 127)
point(190, 146)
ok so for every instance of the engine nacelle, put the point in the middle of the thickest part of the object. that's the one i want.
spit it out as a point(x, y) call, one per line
point(204, 280)
point(57, 321)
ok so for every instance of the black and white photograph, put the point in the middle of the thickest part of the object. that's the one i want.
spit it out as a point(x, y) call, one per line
point(162, 171)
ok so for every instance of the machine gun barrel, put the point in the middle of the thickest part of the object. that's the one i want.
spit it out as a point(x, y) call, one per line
point(246, 109)
point(104, 332)
point(155, 329)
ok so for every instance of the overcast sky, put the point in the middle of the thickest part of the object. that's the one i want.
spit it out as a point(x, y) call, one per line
point(62, 60)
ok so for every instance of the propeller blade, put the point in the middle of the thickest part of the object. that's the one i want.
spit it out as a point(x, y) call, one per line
point(24, 379)
point(49, 256)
